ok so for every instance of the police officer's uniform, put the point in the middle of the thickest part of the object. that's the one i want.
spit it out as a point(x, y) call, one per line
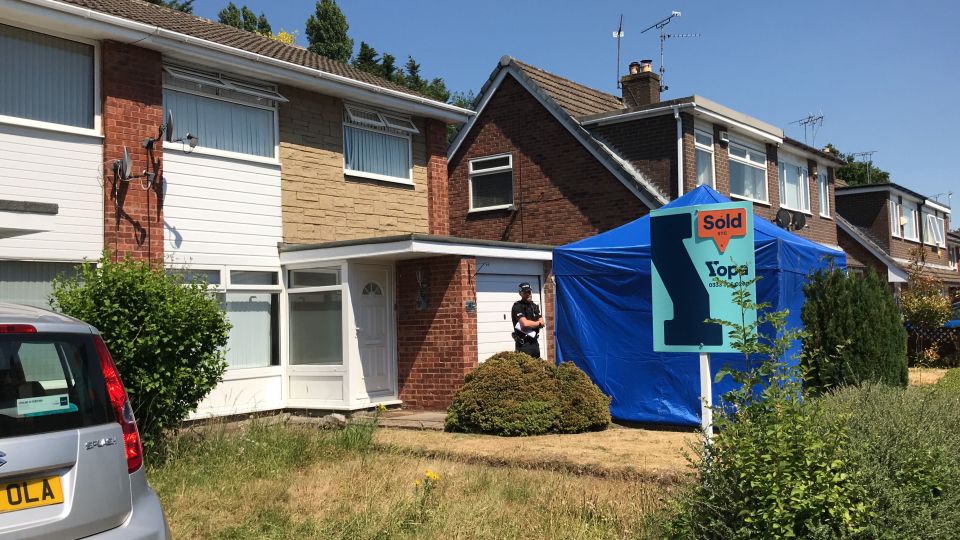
point(531, 312)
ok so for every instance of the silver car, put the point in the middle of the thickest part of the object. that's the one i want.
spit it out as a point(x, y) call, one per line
point(71, 460)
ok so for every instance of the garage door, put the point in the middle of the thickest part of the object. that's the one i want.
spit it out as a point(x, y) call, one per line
point(496, 294)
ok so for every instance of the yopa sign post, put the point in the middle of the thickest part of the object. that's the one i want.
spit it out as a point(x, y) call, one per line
point(691, 247)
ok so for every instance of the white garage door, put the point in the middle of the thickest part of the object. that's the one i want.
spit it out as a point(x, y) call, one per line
point(496, 294)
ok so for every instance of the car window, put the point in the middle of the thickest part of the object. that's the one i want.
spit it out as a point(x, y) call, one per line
point(50, 382)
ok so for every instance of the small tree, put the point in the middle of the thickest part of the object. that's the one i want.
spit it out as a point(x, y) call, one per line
point(166, 336)
point(185, 6)
point(853, 332)
point(925, 308)
point(327, 32)
point(367, 60)
point(245, 19)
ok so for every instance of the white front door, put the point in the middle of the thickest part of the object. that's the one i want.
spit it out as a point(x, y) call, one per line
point(371, 300)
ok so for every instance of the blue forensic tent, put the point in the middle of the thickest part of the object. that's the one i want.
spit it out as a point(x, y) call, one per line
point(604, 323)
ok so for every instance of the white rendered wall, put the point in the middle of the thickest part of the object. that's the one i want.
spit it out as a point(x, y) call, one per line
point(52, 167)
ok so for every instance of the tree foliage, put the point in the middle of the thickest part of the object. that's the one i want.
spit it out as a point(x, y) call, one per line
point(185, 6)
point(327, 32)
point(367, 60)
point(925, 309)
point(166, 336)
point(856, 173)
point(853, 332)
point(245, 19)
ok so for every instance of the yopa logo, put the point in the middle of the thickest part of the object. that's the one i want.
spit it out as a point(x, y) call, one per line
point(2, 461)
point(722, 225)
point(726, 270)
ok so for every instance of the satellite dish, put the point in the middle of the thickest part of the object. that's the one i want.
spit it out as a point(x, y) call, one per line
point(168, 129)
point(783, 218)
point(123, 166)
point(799, 220)
point(192, 140)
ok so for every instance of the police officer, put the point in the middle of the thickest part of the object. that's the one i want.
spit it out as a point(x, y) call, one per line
point(527, 315)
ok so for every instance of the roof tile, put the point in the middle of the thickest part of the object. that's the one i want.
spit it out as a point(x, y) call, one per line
point(576, 99)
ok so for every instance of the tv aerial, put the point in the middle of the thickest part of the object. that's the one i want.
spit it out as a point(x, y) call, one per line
point(663, 38)
point(867, 154)
point(810, 123)
point(618, 35)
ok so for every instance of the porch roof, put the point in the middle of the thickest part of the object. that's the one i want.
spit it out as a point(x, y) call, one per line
point(410, 246)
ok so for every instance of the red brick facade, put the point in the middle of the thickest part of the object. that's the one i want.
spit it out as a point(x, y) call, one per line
point(436, 343)
point(437, 184)
point(651, 147)
point(858, 257)
point(560, 191)
point(131, 84)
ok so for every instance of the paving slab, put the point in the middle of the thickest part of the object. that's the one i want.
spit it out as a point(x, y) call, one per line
point(423, 420)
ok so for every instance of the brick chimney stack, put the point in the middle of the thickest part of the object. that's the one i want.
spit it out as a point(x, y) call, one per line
point(642, 86)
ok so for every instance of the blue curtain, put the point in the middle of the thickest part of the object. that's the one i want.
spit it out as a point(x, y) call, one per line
point(45, 78)
point(222, 125)
point(375, 152)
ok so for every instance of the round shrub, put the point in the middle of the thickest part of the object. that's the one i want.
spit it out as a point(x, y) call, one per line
point(853, 332)
point(166, 336)
point(515, 394)
point(583, 406)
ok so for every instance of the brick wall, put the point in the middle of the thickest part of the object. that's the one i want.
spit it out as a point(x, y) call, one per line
point(651, 147)
point(562, 192)
point(320, 203)
point(549, 303)
point(437, 345)
point(131, 86)
point(858, 257)
point(870, 211)
point(437, 181)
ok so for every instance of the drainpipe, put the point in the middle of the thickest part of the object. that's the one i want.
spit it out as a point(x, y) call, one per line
point(676, 116)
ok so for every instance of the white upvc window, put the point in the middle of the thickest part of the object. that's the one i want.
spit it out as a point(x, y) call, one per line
point(251, 300)
point(229, 116)
point(895, 225)
point(491, 182)
point(48, 81)
point(934, 230)
point(748, 171)
point(823, 187)
point(378, 145)
point(911, 230)
point(794, 186)
point(705, 165)
point(316, 316)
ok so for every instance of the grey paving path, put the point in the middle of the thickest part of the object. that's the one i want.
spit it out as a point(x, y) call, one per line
point(427, 420)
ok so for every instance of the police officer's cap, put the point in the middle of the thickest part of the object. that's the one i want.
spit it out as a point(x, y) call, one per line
point(525, 287)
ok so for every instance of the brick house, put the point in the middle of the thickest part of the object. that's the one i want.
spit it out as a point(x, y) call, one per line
point(548, 160)
point(311, 196)
point(884, 227)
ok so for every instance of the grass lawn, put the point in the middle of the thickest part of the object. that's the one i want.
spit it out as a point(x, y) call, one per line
point(289, 481)
point(926, 376)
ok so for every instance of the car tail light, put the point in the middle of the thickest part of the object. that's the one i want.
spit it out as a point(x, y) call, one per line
point(121, 407)
point(17, 329)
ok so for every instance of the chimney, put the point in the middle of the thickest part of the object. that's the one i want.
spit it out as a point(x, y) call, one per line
point(642, 86)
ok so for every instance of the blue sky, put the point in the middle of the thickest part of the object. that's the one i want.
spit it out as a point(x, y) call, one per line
point(882, 73)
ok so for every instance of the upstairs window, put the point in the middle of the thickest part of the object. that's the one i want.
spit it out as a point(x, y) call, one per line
point(704, 146)
point(46, 78)
point(794, 186)
point(378, 145)
point(895, 226)
point(909, 221)
point(823, 186)
point(491, 182)
point(748, 172)
point(226, 114)
point(934, 230)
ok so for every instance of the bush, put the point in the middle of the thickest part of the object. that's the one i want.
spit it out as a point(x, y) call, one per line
point(166, 336)
point(950, 381)
point(903, 444)
point(853, 332)
point(515, 394)
point(773, 470)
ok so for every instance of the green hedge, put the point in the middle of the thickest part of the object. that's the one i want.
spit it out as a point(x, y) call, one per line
point(854, 333)
point(515, 394)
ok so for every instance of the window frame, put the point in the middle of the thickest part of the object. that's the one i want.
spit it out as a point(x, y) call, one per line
point(97, 129)
point(471, 174)
point(225, 81)
point(749, 148)
point(824, 190)
point(384, 128)
point(697, 145)
point(787, 161)
point(893, 214)
point(343, 287)
point(939, 225)
point(912, 207)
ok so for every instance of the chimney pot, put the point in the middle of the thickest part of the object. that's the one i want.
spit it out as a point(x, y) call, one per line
point(642, 86)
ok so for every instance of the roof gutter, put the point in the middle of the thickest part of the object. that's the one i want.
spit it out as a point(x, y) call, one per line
point(625, 117)
point(169, 41)
point(676, 116)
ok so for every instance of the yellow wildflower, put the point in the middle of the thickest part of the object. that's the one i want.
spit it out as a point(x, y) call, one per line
point(432, 476)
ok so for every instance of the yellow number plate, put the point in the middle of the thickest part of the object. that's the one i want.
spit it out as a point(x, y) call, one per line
point(30, 494)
